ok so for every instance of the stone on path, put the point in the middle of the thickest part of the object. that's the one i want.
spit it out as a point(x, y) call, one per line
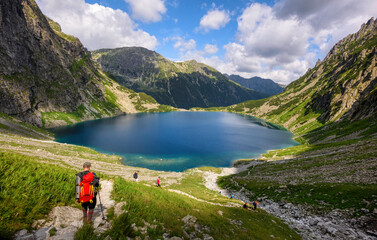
point(66, 220)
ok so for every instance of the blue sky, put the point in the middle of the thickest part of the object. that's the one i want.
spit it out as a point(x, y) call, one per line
point(278, 39)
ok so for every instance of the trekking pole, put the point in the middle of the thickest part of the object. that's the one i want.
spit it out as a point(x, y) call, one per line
point(103, 216)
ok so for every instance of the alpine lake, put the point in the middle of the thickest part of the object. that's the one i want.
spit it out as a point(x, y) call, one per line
point(176, 141)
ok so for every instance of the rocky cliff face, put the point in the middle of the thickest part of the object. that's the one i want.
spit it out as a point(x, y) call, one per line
point(43, 70)
point(180, 84)
point(340, 88)
point(262, 85)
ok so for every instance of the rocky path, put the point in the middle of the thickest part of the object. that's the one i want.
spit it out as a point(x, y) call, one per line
point(63, 221)
point(201, 200)
point(309, 226)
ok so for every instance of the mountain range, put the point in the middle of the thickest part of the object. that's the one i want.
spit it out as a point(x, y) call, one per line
point(179, 84)
point(48, 78)
point(262, 85)
point(326, 185)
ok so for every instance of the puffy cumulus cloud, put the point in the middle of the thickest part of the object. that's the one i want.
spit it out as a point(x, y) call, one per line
point(210, 49)
point(265, 35)
point(147, 10)
point(182, 44)
point(268, 46)
point(326, 13)
point(95, 25)
point(237, 61)
point(214, 20)
point(331, 20)
point(281, 42)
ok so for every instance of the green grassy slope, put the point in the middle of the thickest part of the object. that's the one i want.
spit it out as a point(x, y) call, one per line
point(165, 209)
point(29, 190)
point(26, 184)
point(332, 112)
point(117, 100)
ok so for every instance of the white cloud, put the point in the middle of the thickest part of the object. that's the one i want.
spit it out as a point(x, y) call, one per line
point(281, 42)
point(95, 25)
point(147, 10)
point(183, 45)
point(210, 49)
point(214, 20)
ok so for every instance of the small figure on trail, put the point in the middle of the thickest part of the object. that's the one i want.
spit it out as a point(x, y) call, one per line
point(136, 176)
point(158, 182)
point(232, 196)
point(86, 191)
point(245, 206)
point(255, 204)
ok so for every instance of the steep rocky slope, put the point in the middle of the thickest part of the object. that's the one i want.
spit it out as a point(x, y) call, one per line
point(341, 88)
point(262, 85)
point(180, 84)
point(327, 186)
point(43, 70)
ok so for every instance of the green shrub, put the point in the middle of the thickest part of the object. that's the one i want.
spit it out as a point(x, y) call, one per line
point(86, 232)
point(121, 228)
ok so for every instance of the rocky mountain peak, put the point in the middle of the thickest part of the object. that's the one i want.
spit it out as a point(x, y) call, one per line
point(41, 68)
point(366, 32)
point(343, 87)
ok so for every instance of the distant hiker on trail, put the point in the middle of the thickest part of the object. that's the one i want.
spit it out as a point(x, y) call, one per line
point(255, 204)
point(232, 196)
point(245, 206)
point(158, 182)
point(86, 185)
point(136, 176)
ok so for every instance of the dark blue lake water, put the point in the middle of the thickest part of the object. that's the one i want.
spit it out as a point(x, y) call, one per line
point(177, 141)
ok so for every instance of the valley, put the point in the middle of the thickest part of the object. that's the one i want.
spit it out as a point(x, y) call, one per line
point(324, 188)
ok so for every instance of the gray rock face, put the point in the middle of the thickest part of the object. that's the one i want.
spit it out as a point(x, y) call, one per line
point(41, 69)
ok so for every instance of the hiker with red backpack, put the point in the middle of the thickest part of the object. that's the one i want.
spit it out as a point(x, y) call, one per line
point(158, 182)
point(86, 191)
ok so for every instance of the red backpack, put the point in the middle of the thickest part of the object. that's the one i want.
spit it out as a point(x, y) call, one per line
point(87, 190)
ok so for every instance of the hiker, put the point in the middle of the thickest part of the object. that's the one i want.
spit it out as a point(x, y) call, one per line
point(86, 185)
point(136, 176)
point(245, 206)
point(255, 204)
point(231, 197)
point(158, 182)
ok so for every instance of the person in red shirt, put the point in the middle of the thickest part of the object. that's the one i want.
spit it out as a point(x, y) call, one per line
point(158, 182)
point(87, 207)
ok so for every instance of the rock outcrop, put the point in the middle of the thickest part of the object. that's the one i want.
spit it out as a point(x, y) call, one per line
point(39, 70)
point(43, 70)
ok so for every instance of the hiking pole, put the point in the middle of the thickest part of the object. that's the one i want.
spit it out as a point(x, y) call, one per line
point(103, 216)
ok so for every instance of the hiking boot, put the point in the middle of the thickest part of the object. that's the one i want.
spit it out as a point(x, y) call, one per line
point(90, 216)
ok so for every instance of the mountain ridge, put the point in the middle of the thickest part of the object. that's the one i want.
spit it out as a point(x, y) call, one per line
point(259, 84)
point(340, 88)
point(180, 84)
